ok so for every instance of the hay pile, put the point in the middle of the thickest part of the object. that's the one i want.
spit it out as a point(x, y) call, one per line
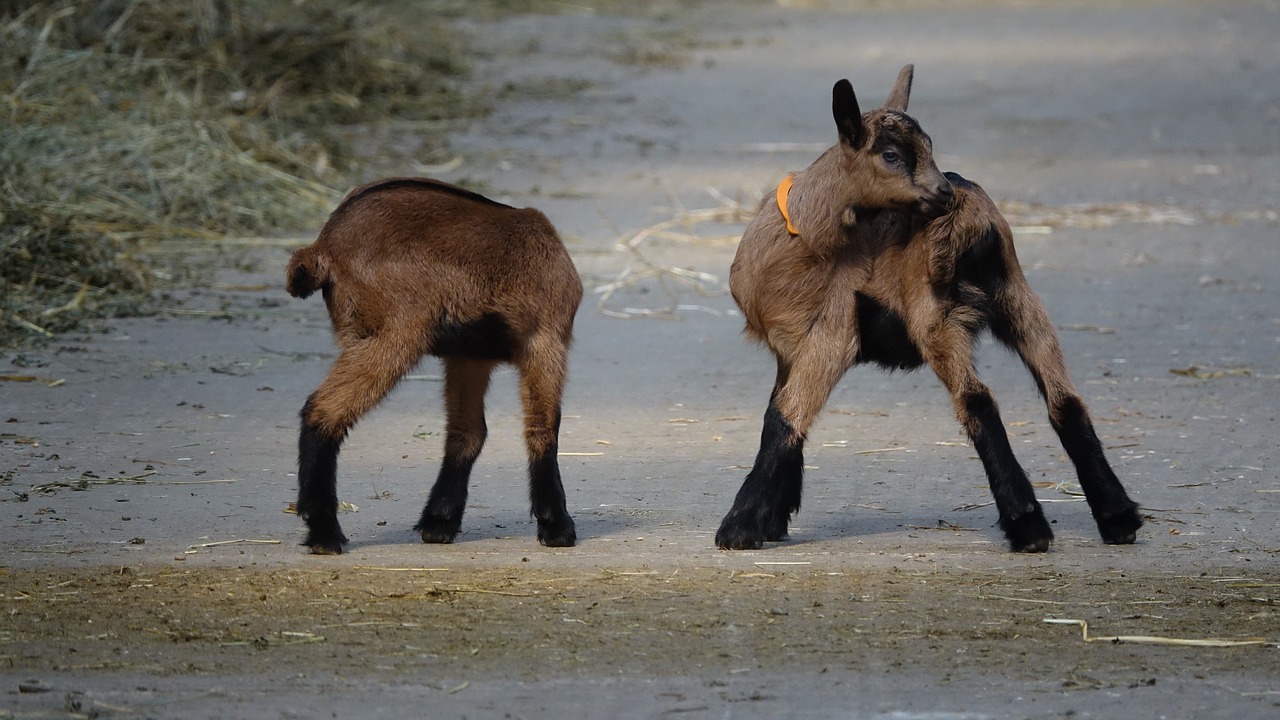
point(128, 122)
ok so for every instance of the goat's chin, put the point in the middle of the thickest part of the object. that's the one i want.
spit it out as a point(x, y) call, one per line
point(931, 209)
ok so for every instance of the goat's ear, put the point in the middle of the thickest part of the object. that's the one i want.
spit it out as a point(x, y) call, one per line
point(901, 92)
point(844, 107)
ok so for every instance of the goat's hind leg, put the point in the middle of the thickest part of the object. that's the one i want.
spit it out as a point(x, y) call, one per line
point(1021, 516)
point(1115, 513)
point(317, 503)
point(1027, 329)
point(950, 354)
point(361, 377)
point(543, 368)
point(465, 384)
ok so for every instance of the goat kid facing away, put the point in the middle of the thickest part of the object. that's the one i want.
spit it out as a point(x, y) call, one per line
point(411, 267)
point(873, 255)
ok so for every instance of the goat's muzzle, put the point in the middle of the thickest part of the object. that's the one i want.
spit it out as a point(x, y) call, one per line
point(938, 202)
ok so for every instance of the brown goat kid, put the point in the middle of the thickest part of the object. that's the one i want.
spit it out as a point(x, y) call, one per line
point(411, 267)
point(889, 261)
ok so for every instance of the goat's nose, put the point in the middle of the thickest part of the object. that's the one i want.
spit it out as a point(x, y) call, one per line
point(944, 194)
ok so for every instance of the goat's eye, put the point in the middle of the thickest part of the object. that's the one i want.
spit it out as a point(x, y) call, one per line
point(891, 157)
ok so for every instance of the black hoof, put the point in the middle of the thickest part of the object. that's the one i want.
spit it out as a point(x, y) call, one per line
point(1028, 533)
point(325, 543)
point(438, 530)
point(1120, 528)
point(738, 534)
point(557, 532)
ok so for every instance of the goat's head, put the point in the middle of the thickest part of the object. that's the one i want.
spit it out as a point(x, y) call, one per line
point(887, 154)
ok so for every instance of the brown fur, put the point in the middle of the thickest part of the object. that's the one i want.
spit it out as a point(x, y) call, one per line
point(929, 262)
point(411, 267)
point(797, 301)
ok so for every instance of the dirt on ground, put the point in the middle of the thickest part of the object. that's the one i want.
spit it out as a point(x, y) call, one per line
point(450, 628)
point(463, 624)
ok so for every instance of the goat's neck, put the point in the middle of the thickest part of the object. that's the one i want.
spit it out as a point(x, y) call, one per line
point(882, 227)
point(830, 210)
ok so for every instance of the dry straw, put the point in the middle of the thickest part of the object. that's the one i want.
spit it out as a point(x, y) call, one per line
point(684, 226)
point(131, 122)
point(1154, 639)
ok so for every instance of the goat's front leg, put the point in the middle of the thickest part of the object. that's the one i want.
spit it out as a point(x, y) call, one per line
point(950, 355)
point(772, 490)
point(1028, 331)
point(465, 384)
point(542, 378)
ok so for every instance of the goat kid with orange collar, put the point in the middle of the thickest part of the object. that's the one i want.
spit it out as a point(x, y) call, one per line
point(872, 254)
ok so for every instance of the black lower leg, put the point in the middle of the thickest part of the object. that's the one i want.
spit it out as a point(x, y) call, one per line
point(442, 516)
point(771, 491)
point(1021, 517)
point(547, 501)
point(318, 487)
point(1116, 514)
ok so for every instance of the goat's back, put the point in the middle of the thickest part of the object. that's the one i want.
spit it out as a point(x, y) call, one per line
point(422, 250)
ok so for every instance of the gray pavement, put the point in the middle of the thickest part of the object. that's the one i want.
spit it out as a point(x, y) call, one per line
point(1137, 146)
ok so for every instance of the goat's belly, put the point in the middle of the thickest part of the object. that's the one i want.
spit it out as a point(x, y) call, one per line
point(883, 338)
point(488, 337)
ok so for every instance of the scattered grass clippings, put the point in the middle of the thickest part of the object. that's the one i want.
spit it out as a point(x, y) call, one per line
point(1209, 374)
point(132, 122)
point(684, 226)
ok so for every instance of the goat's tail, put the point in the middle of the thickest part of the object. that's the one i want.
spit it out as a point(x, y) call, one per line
point(307, 272)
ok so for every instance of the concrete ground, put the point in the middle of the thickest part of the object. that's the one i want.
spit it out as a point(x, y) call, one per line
point(150, 568)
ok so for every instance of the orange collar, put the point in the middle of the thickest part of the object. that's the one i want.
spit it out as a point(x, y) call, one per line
point(784, 189)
